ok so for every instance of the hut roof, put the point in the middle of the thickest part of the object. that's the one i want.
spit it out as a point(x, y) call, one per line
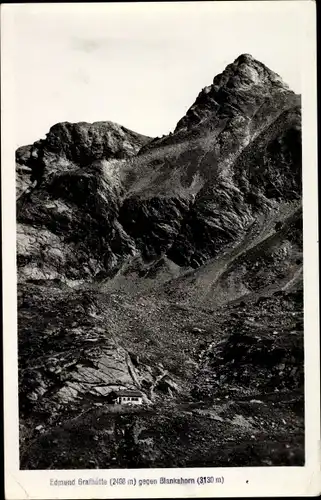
point(129, 393)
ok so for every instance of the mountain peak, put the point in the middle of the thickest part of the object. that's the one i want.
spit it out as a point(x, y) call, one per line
point(246, 72)
point(83, 143)
point(244, 58)
point(245, 78)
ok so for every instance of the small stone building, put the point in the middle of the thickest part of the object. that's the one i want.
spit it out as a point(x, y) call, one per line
point(129, 396)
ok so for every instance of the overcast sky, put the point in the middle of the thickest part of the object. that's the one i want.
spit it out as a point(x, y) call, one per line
point(140, 65)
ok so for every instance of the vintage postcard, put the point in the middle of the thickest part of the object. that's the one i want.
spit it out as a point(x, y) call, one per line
point(160, 250)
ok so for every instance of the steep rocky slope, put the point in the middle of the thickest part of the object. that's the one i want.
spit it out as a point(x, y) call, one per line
point(173, 265)
point(222, 387)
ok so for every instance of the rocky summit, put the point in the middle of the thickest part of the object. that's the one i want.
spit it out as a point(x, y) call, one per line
point(172, 266)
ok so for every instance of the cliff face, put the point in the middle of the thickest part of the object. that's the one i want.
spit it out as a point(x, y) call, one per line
point(135, 253)
point(67, 216)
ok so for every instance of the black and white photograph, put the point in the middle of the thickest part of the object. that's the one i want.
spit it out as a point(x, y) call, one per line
point(159, 236)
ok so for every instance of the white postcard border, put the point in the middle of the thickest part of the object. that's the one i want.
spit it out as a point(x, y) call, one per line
point(240, 482)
